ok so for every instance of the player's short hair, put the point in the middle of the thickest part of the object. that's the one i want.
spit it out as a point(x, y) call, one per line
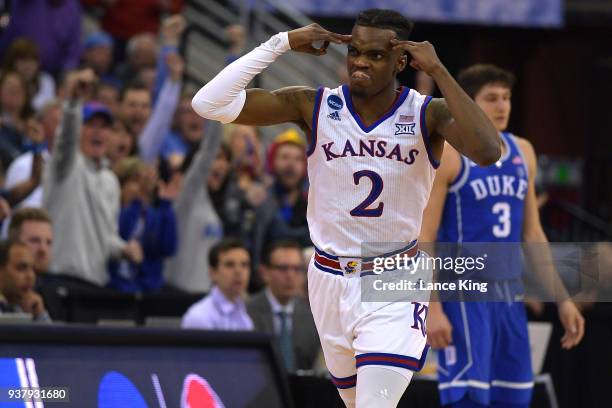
point(386, 19)
point(226, 244)
point(473, 78)
point(278, 244)
point(5, 250)
point(23, 215)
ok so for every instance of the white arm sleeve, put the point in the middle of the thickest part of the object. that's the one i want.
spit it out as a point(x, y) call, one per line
point(224, 96)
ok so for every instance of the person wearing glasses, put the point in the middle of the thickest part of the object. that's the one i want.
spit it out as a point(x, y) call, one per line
point(279, 308)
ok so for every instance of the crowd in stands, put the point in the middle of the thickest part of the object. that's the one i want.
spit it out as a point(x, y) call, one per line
point(110, 181)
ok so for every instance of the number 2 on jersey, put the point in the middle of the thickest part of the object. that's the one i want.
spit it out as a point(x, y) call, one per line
point(501, 230)
point(362, 209)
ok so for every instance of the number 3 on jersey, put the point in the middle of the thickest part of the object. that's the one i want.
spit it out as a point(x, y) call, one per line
point(362, 209)
point(501, 230)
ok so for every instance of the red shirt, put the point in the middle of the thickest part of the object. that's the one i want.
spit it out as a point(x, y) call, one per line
point(126, 18)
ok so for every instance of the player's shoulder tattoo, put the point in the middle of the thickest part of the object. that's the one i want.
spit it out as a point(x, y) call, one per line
point(439, 112)
point(296, 94)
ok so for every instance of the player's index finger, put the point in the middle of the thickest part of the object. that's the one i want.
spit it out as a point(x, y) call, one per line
point(337, 38)
point(397, 42)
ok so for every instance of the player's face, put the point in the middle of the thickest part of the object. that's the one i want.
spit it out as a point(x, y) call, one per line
point(370, 62)
point(494, 100)
point(232, 273)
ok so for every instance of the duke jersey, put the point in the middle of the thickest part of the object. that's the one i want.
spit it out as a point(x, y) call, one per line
point(486, 204)
point(368, 184)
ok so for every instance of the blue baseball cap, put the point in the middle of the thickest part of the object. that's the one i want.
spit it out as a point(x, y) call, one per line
point(98, 39)
point(91, 109)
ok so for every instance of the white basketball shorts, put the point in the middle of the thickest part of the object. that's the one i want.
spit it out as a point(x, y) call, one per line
point(355, 333)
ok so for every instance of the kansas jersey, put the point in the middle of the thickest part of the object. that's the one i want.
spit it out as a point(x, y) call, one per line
point(368, 184)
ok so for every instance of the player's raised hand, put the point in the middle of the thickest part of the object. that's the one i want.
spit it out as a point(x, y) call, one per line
point(572, 322)
point(439, 329)
point(424, 57)
point(302, 39)
point(172, 29)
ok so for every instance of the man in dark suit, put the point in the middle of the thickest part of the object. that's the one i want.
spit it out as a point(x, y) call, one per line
point(280, 310)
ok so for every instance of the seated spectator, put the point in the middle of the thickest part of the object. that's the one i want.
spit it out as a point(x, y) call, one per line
point(32, 227)
point(199, 225)
point(186, 135)
point(283, 214)
point(81, 194)
point(98, 55)
point(41, 137)
point(23, 56)
point(280, 310)
point(152, 223)
point(17, 280)
point(223, 308)
point(15, 110)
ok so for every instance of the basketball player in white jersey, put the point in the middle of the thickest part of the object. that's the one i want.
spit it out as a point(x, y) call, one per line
point(371, 164)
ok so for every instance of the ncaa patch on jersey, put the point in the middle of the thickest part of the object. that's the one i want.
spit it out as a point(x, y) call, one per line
point(334, 102)
point(404, 128)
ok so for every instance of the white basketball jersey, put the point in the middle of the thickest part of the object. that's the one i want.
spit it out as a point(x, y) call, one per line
point(368, 184)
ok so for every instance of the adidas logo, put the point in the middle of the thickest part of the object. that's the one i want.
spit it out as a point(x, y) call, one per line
point(383, 394)
point(334, 116)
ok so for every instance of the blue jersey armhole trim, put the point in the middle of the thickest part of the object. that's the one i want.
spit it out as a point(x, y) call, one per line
point(460, 174)
point(425, 134)
point(462, 177)
point(315, 121)
point(367, 129)
point(512, 140)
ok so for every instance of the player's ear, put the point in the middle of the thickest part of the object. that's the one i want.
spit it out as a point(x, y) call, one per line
point(402, 61)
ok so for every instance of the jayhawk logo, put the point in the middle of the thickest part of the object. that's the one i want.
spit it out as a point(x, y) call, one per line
point(350, 266)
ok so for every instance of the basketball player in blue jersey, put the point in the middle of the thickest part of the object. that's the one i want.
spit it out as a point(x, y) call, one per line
point(484, 357)
point(372, 155)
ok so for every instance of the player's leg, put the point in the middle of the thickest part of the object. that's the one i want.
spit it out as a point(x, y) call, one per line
point(381, 387)
point(324, 292)
point(389, 346)
point(464, 366)
point(348, 396)
point(512, 375)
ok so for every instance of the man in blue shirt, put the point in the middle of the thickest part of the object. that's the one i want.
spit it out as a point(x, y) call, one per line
point(224, 308)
